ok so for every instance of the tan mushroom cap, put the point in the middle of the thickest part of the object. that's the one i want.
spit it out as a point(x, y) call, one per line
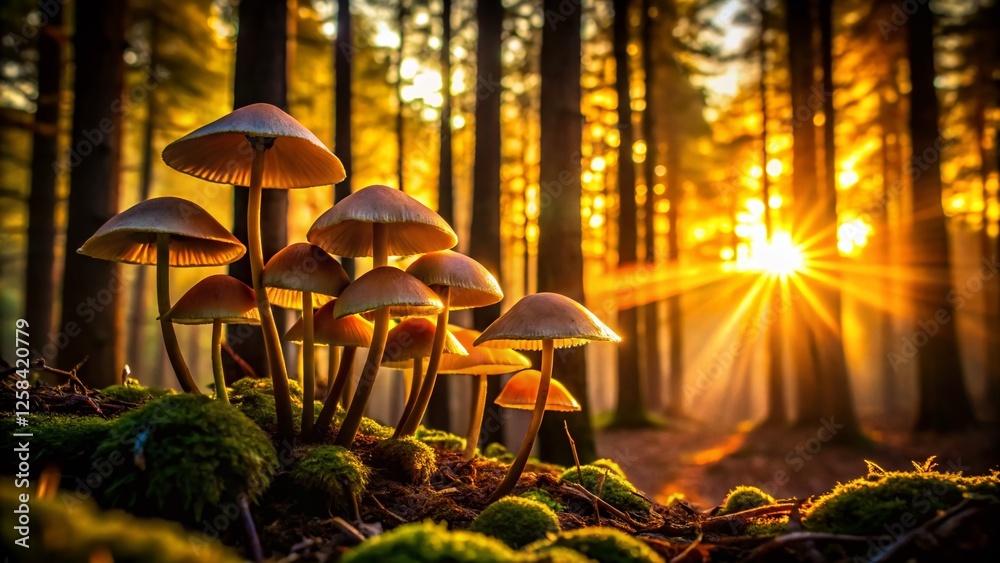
point(351, 330)
point(303, 267)
point(471, 284)
point(413, 338)
point(385, 286)
point(545, 316)
point(220, 152)
point(219, 297)
point(196, 238)
point(345, 229)
point(481, 360)
point(522, 389)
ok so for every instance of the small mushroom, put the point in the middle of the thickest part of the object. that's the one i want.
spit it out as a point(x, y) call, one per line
point(521, 392)
point(303, 276)
point(165, 231)
point(546, 321)
point(218, 300)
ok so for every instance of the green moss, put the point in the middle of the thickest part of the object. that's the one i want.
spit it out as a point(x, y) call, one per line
point(516, 521)
point(248, 385)
point(981, 485)
point(405, 460)
point(606, 545)
point(66, 529)
point(371, 427)
point(67, 442)
point(745, 497)
point(331, 471)
point(427, 542)
point(134, 392)
point(560, 555)
point(179, 454)
point(616, 491)
point(497, 451)
point(767, 526)
point(611, 466)
point(540, 495)
point(439, 439)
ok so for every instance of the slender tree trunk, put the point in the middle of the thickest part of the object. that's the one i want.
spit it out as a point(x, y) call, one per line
point(891, 404)
point(260, 77)
point(343, 54)
point(91, 303)
point(400, 125)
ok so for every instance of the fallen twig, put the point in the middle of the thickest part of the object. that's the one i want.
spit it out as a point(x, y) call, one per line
point(258, 553)
point(921, 531)
point(715, 522)
point(381, 507)
point(680, 556)
point(581, 490)
point(347, 529)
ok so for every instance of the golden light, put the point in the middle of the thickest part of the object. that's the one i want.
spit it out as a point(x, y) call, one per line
point(847, 179)
point(755, 171)
point(700, 233)
point(780, 257)
point(774, 167)
point(726, 253)
point(660, 170)
point(775, 201)
point(755, 206)
point(597, 164)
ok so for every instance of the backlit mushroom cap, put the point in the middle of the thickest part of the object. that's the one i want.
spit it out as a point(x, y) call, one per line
point(522, 389)
point(481, 360)
point(345, 229)
point(196, 238)
point(303, 267)
point(219, 297)
point(414, 338)
point(220, 152)
point(471, 284)
point(403, 294)
point(545, 316)
point(351, 330)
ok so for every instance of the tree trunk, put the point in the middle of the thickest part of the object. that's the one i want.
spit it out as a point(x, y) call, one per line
point(891, 404)
point(944, 403)
point(343, 53)
point(400, 125)
point(560, 252)
point(91, 303)
point(260, 77)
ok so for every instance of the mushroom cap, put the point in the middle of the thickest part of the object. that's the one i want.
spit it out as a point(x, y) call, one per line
point(303, 267)
point(481, 360)
point(413, 338)
point(219, 297)
point(196, 238)
point(545, 316)
point(522, 390)
point(220, 152)
point(471, 284)
point(345, 229)
point(351, 330)
point(385, 286)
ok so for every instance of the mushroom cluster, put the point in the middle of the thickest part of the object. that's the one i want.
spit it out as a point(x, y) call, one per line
point(262, 147)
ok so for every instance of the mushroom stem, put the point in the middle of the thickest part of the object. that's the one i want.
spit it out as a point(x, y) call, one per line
point(272, 344)
point(220, 379)
point(516, 468)
point(339, 383)
point(166, 327)
point(308, 363)
point(475, 417)
point(424, 399)
point(345, 389)
point(380, 245)
point(349, 428)
point(411, 400)
point(331, 368)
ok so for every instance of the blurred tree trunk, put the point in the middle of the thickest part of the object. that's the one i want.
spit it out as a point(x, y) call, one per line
point(439, 411)
point(40, 283)
point(260, 77)
point(400, 125)
point(883, 229)
point(91, 303)
point(343, 54)
point(560, 252)
point(944, 403)
point(484, 246)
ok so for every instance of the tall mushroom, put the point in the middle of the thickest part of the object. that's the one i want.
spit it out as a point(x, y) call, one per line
point(256, 146)
point(541, 321)
point(303, 276)
point(462, 283)
point(165, 231)
point(389, 292)
point(216, 300)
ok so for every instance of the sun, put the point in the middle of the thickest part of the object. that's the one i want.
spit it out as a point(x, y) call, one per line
point(780, 256)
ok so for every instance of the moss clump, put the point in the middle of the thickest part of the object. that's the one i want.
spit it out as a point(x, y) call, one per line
point(249, 385)
point(429, 542)
point(745, 497)
point(516, 521)
point(497, 451)
point(66, 529)
point(331, 471)
point(616, 491)
point(611, 466)
point(405, 460)
point(767, 526)
point(540, 495)
point(371, 427)
point(606, 545)
point(179, 454)
point(439, 439)
point(560, 555)
point(67, 442)
point(981, 485)
point(134, 392)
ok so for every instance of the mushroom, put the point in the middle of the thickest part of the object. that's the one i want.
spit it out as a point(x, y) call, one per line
point(216, 299)
point(480, 362)
point(406, 346)
point(390, 292)
point(165, 231)
point(303, 276)
point(462, 283)
point(351, 332)
point(521, 392)
point(259, 145)
point(546, 321)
